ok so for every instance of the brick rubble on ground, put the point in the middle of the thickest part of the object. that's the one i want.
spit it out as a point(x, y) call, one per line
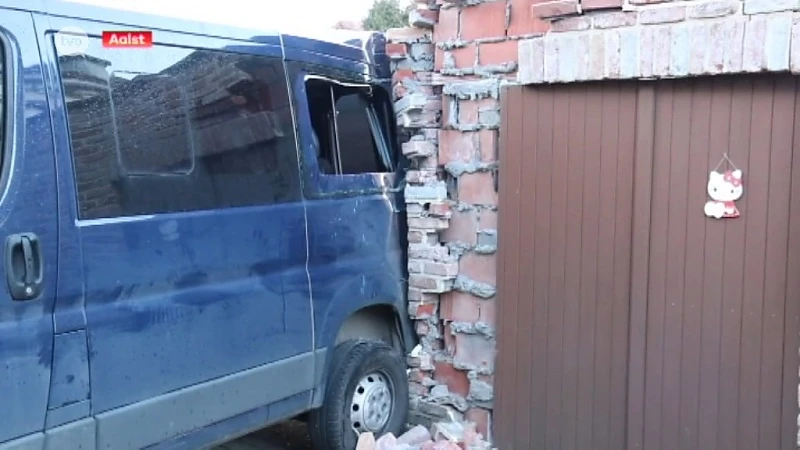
point(446, 436)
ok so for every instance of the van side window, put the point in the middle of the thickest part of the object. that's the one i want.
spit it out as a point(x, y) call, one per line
point(170, 129)
point(350, 136)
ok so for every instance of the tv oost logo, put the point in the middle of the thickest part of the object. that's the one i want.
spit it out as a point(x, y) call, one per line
point(71, 41)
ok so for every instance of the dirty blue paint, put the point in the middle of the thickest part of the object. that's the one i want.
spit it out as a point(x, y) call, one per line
point(70, 379)
point(228, 313)
point(28, 205)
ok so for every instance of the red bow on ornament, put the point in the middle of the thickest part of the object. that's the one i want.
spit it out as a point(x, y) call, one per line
point(730, 178)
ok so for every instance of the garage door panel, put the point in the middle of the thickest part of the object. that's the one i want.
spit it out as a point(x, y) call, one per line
point(572, 286)
point(789, 408)
point(697, 148)
point(556, 247)
point(648, 324)
point(720, 93)
point(776, 257)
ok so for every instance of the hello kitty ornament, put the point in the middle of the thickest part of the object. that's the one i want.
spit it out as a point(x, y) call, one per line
point(724, 189)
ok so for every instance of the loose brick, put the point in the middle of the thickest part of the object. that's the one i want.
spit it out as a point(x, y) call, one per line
point(455, 146)
point(408, 35)
point(474, 351)
point(441, 269)
point(698, 38)
point(428, 223)
point(459, 306)
point(552, 55)
point(463, 57)
point(421, 328)
point(484, 20)
point(477, 267)
point(456, 380)
point(488, 145)
point(482, 420)
point(433, 252)
point(418, 149)
point(440, 210)
point(417, 389)
point(589, 5)
point(662, 51)
point(468, 112)
point(419, 310)
point(421, 176)
point(715, 8)
point(449, 339)
point(523, 23)
point(794, 61)
point(579, 23)
point(680, 51)
point(597, 60)
point(487, 220)
point(614, 20)
point(670, 14)
point(416, 375)
point(449, 112)
point(462, 229)
point(755, 36)
point(447, 27)
point(497, 53)
point(429, 283)
point(715, 50)
point(416, 237)
point(396, 50)
point(423, 17)
point(477, 188)
point(438, 59)
point(555, 8)
point(489, 311)
point(531, 61)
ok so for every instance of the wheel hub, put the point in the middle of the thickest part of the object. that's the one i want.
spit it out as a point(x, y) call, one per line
point(372, 403)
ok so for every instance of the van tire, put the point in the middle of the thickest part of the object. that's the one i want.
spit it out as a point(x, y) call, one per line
point(354, 362)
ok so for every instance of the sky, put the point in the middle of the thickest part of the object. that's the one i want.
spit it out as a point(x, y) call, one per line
point(285, 15)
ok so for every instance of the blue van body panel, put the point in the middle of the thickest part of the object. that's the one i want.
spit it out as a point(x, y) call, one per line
point(28, 205)
point(146, 336)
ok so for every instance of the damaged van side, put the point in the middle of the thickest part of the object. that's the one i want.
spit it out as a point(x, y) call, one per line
point(203, 236)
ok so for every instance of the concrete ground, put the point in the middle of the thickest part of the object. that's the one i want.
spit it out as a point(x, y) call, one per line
point(292, 435)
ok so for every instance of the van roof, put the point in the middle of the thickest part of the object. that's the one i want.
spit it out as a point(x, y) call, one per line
point(351, 45)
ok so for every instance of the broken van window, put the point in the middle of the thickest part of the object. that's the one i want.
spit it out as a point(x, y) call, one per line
point(350, 137)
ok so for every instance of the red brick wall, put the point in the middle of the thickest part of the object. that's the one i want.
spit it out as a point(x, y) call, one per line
point(448, 73)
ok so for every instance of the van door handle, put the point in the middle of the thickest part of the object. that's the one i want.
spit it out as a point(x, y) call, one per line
point(24, 271)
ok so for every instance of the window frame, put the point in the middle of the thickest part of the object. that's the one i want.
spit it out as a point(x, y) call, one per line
point(270, 52)
point(10, 127)
point(382, 146)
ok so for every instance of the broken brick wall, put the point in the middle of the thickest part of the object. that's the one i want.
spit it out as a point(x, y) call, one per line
point(449, 66)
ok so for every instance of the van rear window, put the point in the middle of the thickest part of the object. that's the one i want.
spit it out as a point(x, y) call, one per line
point(172, 129)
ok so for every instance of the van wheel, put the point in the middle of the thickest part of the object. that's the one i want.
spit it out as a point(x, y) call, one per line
point(367, 391)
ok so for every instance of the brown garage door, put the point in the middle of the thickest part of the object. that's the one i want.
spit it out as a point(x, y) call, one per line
point(627, 318)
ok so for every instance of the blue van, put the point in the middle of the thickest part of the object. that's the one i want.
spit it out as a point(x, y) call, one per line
point(202, 237)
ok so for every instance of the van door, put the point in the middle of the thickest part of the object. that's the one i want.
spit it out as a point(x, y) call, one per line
point(191, 228)
point(28, 233)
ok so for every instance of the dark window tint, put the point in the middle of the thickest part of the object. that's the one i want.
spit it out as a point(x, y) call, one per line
point(170, 129)
point(348, 131)
point(359, 154)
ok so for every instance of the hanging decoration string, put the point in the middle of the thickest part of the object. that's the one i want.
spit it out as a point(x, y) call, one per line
point(725, 158)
